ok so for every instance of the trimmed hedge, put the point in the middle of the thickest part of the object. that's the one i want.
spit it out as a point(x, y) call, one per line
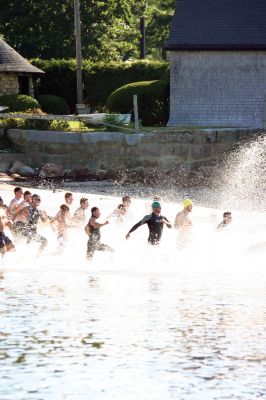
point(153, 101)
point(100, 79)
point(52, 104)
point(18, 102)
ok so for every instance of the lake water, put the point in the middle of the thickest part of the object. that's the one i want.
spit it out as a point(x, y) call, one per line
point(141, 323)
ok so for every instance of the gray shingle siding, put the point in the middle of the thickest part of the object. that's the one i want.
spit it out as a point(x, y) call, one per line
point(218, 88)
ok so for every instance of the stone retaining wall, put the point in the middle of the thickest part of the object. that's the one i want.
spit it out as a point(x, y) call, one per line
point(172, 152)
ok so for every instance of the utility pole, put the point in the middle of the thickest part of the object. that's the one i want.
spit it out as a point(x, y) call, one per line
point(142, 28)
point(78, 54)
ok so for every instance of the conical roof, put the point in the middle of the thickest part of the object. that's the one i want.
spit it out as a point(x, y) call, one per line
point(11, 61)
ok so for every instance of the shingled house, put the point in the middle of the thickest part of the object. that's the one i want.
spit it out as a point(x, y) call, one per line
point(16, 73)
point(218, 63)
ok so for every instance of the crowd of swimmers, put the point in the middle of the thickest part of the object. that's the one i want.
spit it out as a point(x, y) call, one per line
point(23, 215)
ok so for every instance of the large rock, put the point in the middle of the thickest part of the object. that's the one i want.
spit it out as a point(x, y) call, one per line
point(77, 173)
point(50, 170)
point(21, 169)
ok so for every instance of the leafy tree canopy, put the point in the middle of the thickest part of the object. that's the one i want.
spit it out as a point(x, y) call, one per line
point(110, 29)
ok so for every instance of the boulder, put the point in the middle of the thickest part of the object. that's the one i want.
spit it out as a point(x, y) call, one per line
point(16, 177)
point(50, 170)
point(81, 172)
point(21, 169)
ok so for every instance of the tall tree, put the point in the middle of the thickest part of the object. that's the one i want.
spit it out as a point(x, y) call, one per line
point(45, 28)
point(110, 28)
point(158, 15)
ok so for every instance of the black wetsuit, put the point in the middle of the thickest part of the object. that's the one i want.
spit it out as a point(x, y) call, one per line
point(94, 242)
point(31, 227)
point(4, 240)
point(155, 227)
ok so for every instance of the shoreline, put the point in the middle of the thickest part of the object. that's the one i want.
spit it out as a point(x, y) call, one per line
point(172, 194)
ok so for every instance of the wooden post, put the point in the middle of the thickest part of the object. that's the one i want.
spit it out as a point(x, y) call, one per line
point(78, 52)
point(136, 112)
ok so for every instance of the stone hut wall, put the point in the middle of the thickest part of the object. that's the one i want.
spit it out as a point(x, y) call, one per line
point(218, 88)
point(8, 83)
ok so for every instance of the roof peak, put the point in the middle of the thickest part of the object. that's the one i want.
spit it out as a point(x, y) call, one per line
point(11, 61)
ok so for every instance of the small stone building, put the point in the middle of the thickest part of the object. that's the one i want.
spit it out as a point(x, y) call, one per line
point(218, 63)
point(16, 73)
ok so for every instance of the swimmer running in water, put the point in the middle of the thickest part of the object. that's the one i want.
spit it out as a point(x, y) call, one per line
point(155, 222)
point(119, 214)
point(3, 206)
point(21, 216)
point(183, 223)
point(31, 225)
point(79, 217)
point(227, 219)
point(5, 243)
point(15, 203)
point(93, 231)
point(59, 223)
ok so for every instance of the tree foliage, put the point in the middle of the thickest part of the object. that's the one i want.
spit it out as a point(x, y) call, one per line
point(100, 79)
point(110, 29)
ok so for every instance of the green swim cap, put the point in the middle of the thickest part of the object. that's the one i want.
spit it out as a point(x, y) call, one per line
point(156, 204)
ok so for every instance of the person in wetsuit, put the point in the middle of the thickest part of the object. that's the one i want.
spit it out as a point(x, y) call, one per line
point(5, 243)
point(155, 222)
point(31, 225)
point(93, 231)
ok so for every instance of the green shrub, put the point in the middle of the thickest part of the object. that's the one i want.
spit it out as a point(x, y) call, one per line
point(57, 125)
point(18, 102)
point(39, 124)
point(100, 79)
point(153, 101)
point(52, 104)
point(10, 123)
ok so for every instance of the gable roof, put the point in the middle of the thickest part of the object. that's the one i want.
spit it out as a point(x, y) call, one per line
point(218, 24)
point(11, 61)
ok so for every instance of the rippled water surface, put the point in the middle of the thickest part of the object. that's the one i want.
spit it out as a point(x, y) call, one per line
point(141, 323)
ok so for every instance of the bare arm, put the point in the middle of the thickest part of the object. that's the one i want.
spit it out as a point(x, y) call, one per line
point(95, 224)
point(44, 217)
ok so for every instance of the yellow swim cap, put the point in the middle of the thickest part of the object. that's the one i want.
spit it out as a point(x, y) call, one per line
point(187, 202)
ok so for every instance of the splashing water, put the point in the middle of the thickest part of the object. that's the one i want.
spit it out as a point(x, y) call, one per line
point(143, 322)
point(245, 174)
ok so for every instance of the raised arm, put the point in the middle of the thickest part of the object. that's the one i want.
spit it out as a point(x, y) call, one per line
point(136, 226)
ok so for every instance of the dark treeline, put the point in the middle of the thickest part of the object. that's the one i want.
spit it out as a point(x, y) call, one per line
point(110, 28)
